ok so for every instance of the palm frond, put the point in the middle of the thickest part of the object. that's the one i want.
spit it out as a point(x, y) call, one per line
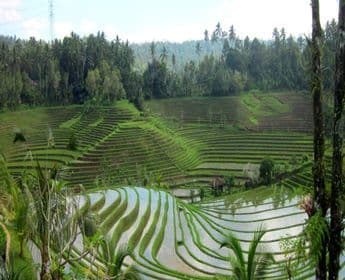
point(121, 254)
point(238, 269)
point(261, 264)
point(131, 273)
point(234, 244)
point(259, 233)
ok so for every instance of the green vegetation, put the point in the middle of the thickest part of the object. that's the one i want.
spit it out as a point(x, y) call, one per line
point(87, 187)
point(266, 170)
point(252, 268)
point(94, 70)
point(153, 224)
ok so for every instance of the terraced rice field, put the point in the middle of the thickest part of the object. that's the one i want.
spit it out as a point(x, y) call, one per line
point(255, 111)
point(133, 149)
point(118, 146)
point(48, 131)
point(175, 240)
point(222, 152)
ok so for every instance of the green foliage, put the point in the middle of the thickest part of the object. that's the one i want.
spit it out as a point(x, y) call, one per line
point(78, 69)
point(266, 170)
point(314, 234)
point(2, 240)
point(256, 264)
point(139, 103)
point(294, 254)
point(113, 260)
point(229, 181)
point(72, 142)
point(155, 80)
point(74, 68)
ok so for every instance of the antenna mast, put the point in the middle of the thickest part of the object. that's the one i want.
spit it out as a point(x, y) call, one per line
point(51, 20)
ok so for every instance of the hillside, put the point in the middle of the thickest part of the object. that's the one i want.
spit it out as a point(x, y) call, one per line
point(202, 138)
point(181, 145)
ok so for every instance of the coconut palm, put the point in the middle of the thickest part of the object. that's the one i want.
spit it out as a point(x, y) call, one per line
point(13, 209)
point(256, 264)
point(114, 261)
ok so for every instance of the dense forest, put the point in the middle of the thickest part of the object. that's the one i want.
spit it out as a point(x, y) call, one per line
point(75, 69)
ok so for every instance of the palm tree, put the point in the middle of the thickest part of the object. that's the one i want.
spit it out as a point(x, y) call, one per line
point(114, 261)
point(255, 266)
point(13, 209)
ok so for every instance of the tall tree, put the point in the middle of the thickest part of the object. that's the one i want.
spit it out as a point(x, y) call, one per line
point(198, 49)
point(153, 50)
point(337, 195)
point(164, 54)
point(319, 142)
point(206, 36)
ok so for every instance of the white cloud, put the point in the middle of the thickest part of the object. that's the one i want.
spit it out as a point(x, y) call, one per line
point(87, 26)
point(9, 11)
point(34, 27)
point(62, 28)
point(258, 18)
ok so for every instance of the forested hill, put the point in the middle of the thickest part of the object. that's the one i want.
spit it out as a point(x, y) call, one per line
point(183, 52)
point(93, 69)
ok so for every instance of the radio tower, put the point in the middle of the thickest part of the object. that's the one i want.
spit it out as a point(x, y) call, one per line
point(51, 20)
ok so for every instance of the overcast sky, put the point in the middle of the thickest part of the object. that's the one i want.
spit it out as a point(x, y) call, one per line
point(147, 20)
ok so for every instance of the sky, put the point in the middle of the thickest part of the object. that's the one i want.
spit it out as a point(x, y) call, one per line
point(159, 20)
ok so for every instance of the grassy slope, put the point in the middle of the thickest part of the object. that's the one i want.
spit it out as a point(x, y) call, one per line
point(118, 144)
point(256, 111)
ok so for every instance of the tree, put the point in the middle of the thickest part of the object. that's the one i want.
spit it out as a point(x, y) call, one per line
point(319, 142)
point(93, 83)
point(153, 50)
point(198, 49)
point(218, 31)
point(232, 36)
point(54, 217)
point(206, 36)
point(164, 54)
point(229, 182)
point(173, 61)
point(337, 189)
point(53, 82)
point(255, 266)
point(266, 170)
point(72, 142)
point(155, 79)
point(112, 87)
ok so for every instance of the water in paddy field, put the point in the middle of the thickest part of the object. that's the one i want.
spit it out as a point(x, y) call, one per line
point(177, 238)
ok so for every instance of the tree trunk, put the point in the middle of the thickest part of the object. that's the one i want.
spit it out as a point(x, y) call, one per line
point(45, 269)
point(335, 247)
point(319, 142)
point(8, 244)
